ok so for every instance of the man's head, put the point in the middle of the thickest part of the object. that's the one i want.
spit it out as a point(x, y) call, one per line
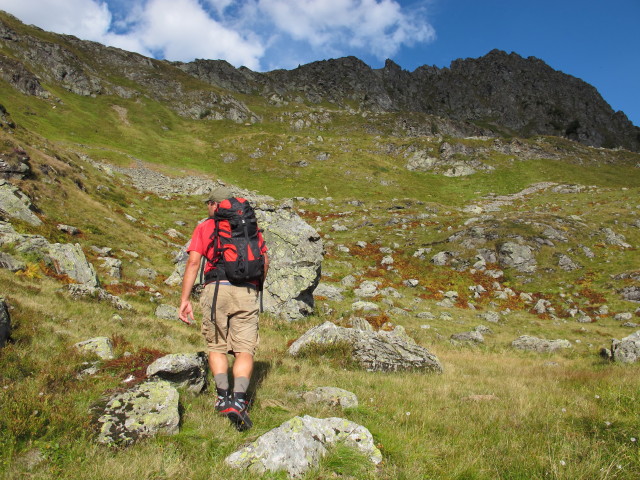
point(217, 195)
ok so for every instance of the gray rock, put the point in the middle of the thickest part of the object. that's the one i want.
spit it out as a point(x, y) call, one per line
point(539, 345)
point(11, 263)
point(360, 323)
point(468, 337)
point(566, 263)
point(148, 273)
point(348, 281)
point(5, 323)
point(182, 370)
point(367, 288)
point(515, 255)
point(493, 317)
point(167, 312)
point(626, 350)
point(442, 258)
point(68, 259)
point(623, 316)
point(331, 396)
point(100, 346)
point(85, 291)
point(298, 445)
point(328, 291)
point(68, 229)
point(113, 266)
point(616, 239)
point(15, 204)
point(146, 410)
point(631, 293)
point(364, 306)
point(374, 351)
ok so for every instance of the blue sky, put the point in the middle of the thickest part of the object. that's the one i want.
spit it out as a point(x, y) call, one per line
point(594, 40)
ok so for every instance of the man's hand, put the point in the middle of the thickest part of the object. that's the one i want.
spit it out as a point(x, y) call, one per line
point(186, 312)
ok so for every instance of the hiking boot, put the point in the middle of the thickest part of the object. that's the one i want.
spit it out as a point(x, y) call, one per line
point(238, 415)
point(223, 401)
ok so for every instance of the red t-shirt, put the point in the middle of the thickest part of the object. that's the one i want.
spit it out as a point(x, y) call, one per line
point(201, 242)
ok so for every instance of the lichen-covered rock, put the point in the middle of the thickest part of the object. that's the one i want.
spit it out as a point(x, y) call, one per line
point(295, 254)
point(626, 350)
point(181, 370)
point(374, 351)
point(15, 204)
point(100, 346)
point(540, 345)
point(299, 444)
point(468, 337)
point(146, 410)
point(328, 291)
point(68, 259)
point(113, 266)
point(86, 291)
point(331, 396)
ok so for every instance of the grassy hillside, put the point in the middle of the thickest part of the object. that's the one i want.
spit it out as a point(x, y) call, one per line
point(495, 413)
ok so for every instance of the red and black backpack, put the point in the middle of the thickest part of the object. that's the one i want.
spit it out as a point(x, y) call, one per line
point(235, 244)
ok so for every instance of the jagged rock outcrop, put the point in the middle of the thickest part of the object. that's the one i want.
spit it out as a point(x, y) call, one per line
point(505, 93)
point(374, 351)
point(87, 291)
point(299, 444)
point(145, 410)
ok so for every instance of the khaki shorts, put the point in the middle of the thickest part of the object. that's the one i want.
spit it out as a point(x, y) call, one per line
point(236, 319)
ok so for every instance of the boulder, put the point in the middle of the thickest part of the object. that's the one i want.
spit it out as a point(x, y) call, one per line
point(15, 204)
point(85, 291)
point(631, 293)
point(331, 396)
point(5, 323)
point(367, 288)
point(626, 350)
point(295, 254)
point(515, 255)
point(68, 259)
point(113, 266)
point(146, 410)
point(374, 351)
point(182, 370)
point(100, 346)
point(16, 164)
point(539, 345)
point(299, 444)
point(468, 337)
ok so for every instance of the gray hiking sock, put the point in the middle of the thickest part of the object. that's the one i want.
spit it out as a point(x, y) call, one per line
point(222, 381)
point(240, 384)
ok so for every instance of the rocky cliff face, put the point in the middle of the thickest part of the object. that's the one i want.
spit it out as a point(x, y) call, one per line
point(500, 92)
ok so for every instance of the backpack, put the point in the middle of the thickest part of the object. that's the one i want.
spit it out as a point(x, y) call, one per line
point(236, 250)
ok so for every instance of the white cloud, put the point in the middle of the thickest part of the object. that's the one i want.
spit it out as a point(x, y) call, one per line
point(87, 19)
point(254, 33)
point(379, 27)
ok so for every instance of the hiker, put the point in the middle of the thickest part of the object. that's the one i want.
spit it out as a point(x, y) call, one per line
point(233, 303)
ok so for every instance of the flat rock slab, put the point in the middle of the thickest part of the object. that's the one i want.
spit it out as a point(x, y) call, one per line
point(540, 345)
point(299, 444)
point(374, 351)
point(187, 370)
point(146, 410)
point(331, 396)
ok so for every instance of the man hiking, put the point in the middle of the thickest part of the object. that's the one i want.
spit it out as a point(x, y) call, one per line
point(235, 266)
